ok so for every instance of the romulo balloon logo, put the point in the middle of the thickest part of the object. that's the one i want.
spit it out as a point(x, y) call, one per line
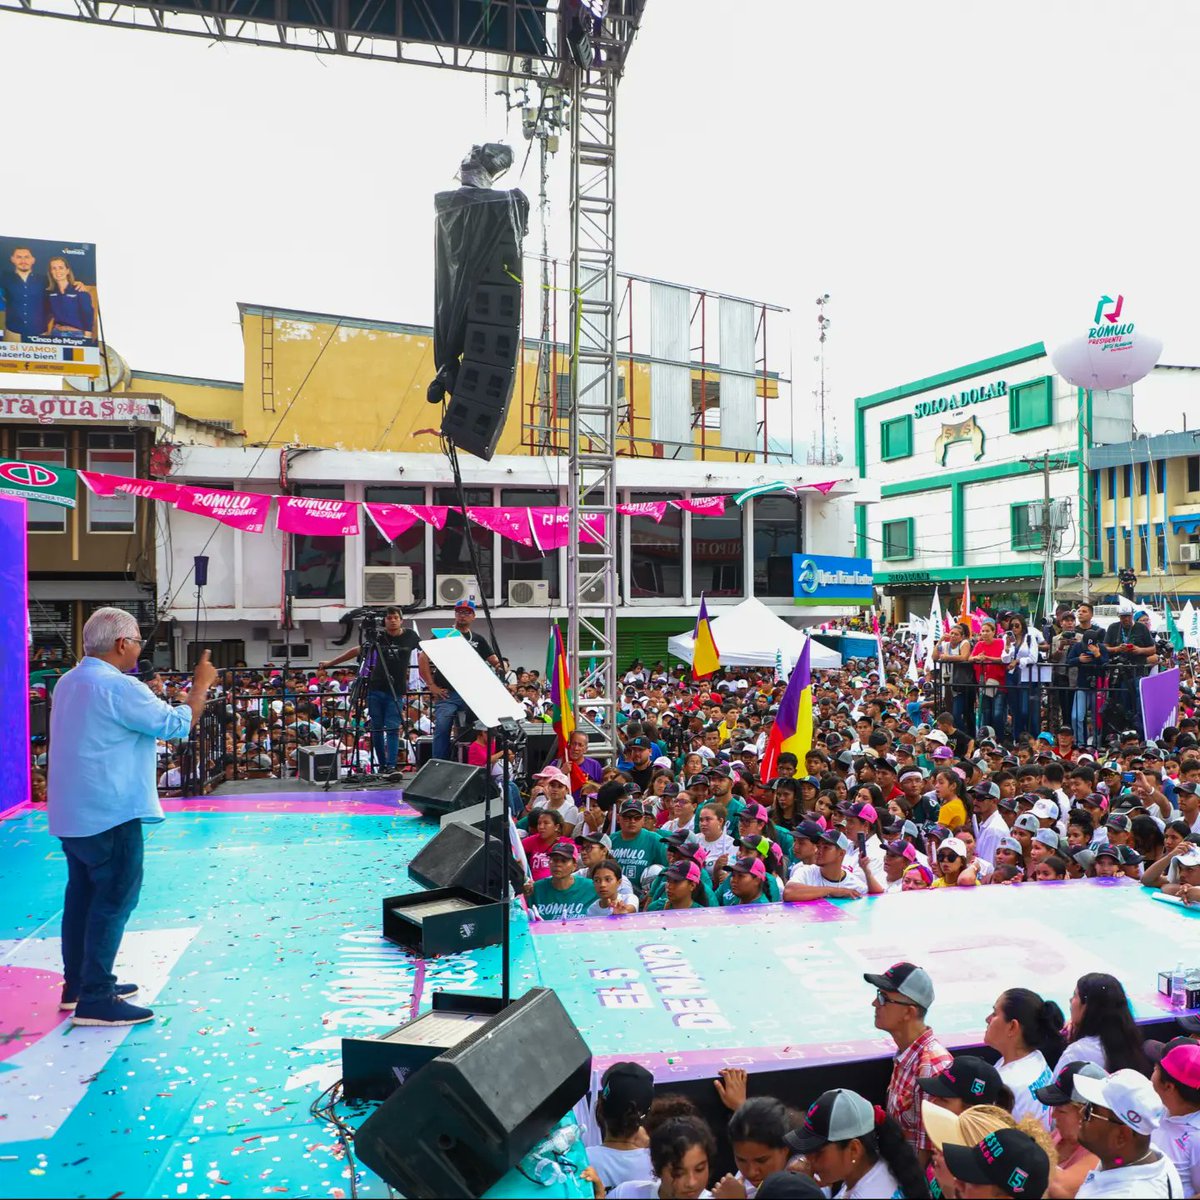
point(28, 474)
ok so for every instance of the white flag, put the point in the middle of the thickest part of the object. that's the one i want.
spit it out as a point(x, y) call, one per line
point(1125, 605)
point(935, 628)
point(913, 674)
point(1189, 624)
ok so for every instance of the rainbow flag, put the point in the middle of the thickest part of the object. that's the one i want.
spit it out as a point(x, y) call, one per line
point(705, 656)
point(793, 728)
point(562, 703)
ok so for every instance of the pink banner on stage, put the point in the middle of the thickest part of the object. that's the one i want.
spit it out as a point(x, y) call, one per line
point(551, 527)
point(708, 506)
point(109, 485)
point(392, 519)
point(243, 510)
point(317, 518)
point(654, 510)
point(511, 523)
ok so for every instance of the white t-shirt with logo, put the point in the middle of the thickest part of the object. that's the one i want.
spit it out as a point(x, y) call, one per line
point(1152, 1179)
point(1088, 1049)
point(1179, 1139)
point(877, 1184)
point(811, 876)
point(1024, 1076)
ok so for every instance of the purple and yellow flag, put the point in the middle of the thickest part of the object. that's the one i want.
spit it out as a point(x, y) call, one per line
point(705, 656)
point(793, 728)
point(562, 703)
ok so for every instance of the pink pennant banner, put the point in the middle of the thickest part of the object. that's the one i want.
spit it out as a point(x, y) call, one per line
point(511, 523)
point(110, 485)
point(392, 519)
point(652, 510)
point(825, 487)
point(431, 514)
point(708, 506)
point(317, 518)
point(551, 527)
point(243, 510)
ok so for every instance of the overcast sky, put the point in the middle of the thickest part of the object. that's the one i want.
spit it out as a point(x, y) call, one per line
point(961, 178)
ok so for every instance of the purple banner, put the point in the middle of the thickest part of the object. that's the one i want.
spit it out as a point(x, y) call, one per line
point(1160, 701)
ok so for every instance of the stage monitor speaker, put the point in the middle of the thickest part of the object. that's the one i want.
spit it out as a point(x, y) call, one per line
point(466, 1118)
point(317, 764)
point(454, 857)
point(441, 786)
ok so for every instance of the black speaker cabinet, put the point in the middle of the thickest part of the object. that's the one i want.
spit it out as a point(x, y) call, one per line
point(470, 1115)
point(454, 858)
point(443, 921)
point(475, 416)
point(441, 786)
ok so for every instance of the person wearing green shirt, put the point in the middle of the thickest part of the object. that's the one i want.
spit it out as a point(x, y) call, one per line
point(747, 882)
point(563, 896)
point(683, 880)
point(635, 847)
point(683, 846)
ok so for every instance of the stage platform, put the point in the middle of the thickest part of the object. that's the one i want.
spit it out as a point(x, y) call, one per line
point(257, 943)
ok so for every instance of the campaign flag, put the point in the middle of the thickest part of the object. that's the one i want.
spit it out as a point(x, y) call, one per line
point(313, 517)
point(879, 647)
point(913, 675)
point(936, 622)
point(562, 703)
point(1160, 701)
point(778, 664)
point(705, 656)
point(713, 506)
point(964, 613)
point(1189, 621)
point(1172, 629)
point(37, 481)
point(793, 727)
point(242, 510)
point(111, 485)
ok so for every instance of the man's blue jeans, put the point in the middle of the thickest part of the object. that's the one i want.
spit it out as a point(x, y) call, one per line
point(104, 880)
point(384, 711)
point(1083, 713)
point(445, 712)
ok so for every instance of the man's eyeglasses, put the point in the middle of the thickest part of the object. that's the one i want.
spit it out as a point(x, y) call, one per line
point(140, 641)
point(1090, 1114)
point(882, 999)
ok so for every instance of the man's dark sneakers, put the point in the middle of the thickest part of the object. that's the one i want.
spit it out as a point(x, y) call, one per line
point(125, 991)
point(112, 1013)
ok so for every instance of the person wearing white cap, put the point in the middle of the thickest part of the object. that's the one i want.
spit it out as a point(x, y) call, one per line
point(1120, 1114)
point(1183, 877)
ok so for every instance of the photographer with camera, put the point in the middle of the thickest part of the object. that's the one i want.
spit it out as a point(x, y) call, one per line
point(1130, 646)
point(391, 655)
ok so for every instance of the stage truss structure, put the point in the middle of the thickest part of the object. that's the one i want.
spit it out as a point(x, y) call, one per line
point(529, 40)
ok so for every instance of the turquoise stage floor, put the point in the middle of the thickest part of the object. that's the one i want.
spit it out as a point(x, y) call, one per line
point(257, 944)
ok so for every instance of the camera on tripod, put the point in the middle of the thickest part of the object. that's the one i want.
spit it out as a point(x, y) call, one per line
point(370, 623)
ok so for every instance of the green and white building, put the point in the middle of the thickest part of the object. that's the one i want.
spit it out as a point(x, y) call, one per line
point(952, 455)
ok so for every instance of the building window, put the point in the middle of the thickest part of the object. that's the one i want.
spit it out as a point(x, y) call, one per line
point(1127, 481)
point(408, 550)
point(1031, 405)
point(452, 550)
point(1112, 483)
point(896, 438)
point(718, 554)
point(526, 562)
point(320, 562)
point(1143, 479)
point(49, 447)
point(1127, 557)
point(778, 534)
point(655, 551)
point(1025, 535)
point(112, 454)
point(898, 539)
point(1144, 552)
point(1160, 475)
point(1163, 564)
point(1112, 551)
point(1193, 473)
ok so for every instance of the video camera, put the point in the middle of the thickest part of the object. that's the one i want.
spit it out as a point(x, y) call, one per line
point(370, 623)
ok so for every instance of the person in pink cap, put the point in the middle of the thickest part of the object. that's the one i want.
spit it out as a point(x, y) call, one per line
point(1176, 1079)
point(557, 787)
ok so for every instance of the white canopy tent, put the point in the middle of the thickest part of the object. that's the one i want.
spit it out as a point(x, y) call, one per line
point(750, 634)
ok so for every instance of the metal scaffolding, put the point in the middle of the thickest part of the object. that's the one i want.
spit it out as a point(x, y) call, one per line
point(592, 566)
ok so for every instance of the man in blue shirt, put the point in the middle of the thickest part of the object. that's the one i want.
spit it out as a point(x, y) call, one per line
point(104, 726)
point(26, 310)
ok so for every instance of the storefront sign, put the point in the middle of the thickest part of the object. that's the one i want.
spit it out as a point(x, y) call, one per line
point(51, 408)
point(819, 579)
point(903, 577)
point(957, 400)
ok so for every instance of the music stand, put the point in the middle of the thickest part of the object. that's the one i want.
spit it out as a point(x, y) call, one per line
point(489, 700)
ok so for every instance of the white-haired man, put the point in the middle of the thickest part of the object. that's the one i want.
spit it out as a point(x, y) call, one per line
point(104, 726)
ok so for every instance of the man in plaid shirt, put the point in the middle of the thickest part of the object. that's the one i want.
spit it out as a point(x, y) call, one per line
point(904, 994)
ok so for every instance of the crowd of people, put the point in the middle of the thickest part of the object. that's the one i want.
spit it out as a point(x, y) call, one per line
point(1054, 1105)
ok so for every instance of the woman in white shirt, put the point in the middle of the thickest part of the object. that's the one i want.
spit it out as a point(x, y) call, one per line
point(1025, 1030)
point(714, 839)
point(681, 1151)
point(1102, 1029)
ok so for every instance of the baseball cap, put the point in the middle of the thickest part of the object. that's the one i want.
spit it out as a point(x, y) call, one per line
point(943, 754)
point(834, 838)
point(808, 829)
point(1028, 822)
point(1182, 1063)
point(1129, 1095)
point(1008, 1160)
point(634, 806)
point(863, 811)
point(1047, 837)
point(1045, 810)
point(836, 1116)
point(700, 780)
point(638, 742)
point(754, 812)
point(1085, 857)
point(565, 850)
point(1008, 803)
point(936, 735)
point(749, 866)
point(1120, 822)
point(786, 1185)
point(907, 979)
point(1062, 1090)
point(1104, 850)
point(554, 775)
point(722, 769)
point(1190, 859)
point(967, 1078)
point(956, 845)
point(677, 839)
point(904, 850)
point(594, 839)
point(683, 872)
point(466, 602)
point(627, 1085)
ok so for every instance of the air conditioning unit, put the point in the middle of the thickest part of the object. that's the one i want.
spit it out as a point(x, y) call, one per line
point(1189, 552)
point(594, 592)
point(529, 593)
point(387, 585)
point(450, 589)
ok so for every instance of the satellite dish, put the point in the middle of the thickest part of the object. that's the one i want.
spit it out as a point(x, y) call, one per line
point(114, 373)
